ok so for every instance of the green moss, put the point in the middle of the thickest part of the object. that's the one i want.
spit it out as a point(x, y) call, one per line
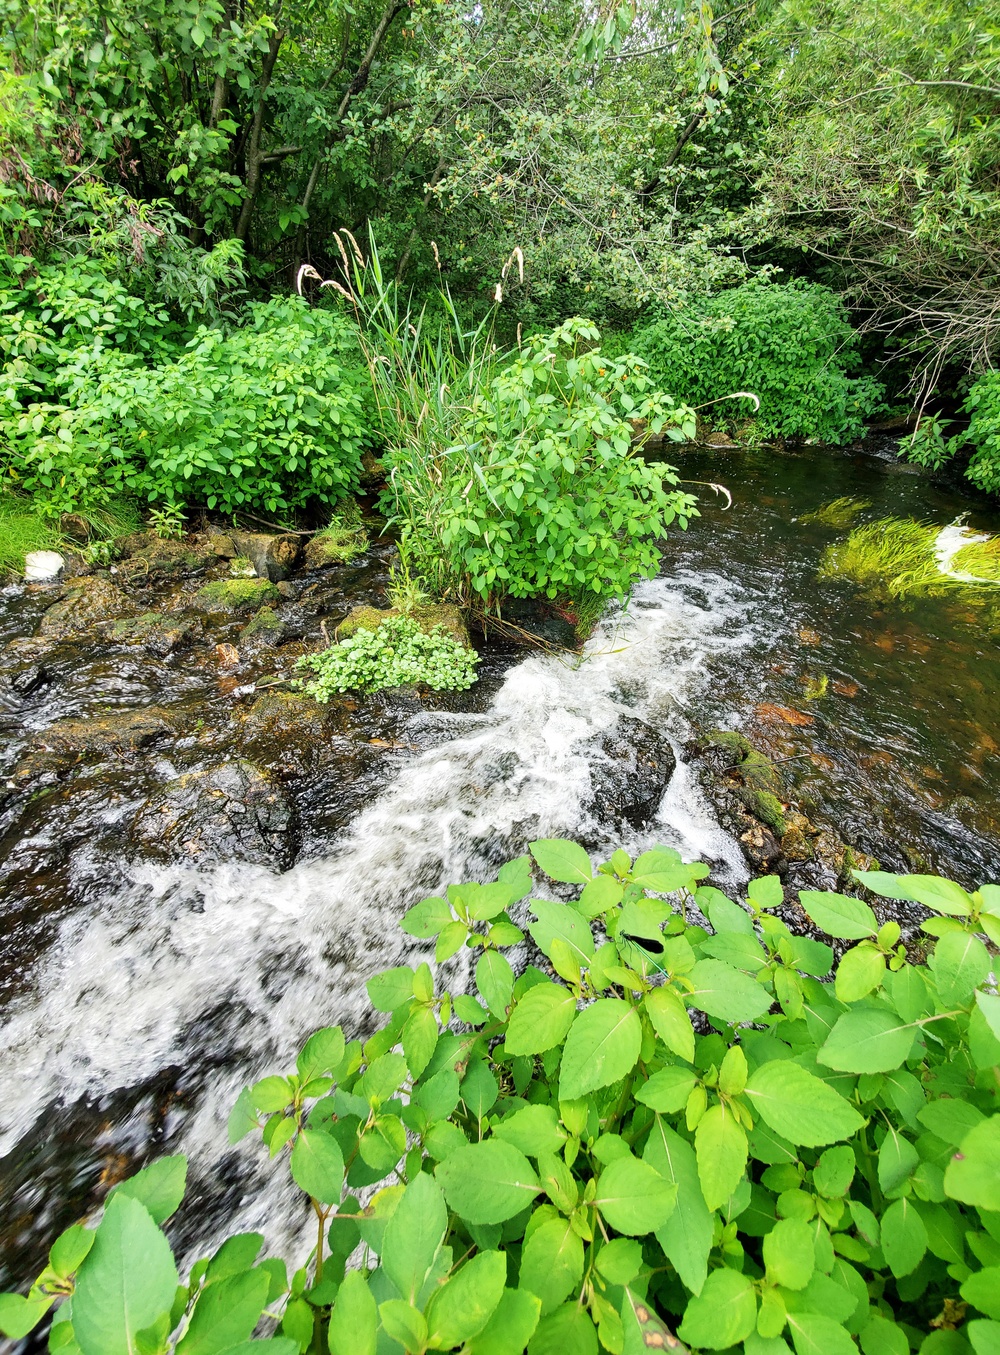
point(266, 627)
point(235, 595)
point(342, 541)
point(838, 512)
point(242, 567)
point(760, 778)
point(427, 616)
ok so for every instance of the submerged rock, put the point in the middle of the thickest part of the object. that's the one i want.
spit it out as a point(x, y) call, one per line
point(82, 604)
point(631, 774)
point(266, 628)
point(98, 737)
point(235, 595)
point(231, 812)
point(155, 632)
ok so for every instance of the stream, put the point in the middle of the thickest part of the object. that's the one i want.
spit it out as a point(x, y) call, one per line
point(159, 955)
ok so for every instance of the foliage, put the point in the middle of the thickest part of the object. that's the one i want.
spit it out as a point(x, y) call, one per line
point(983, 403)
point(167, 523)
point(271, 414)
point(677, 1127)
point(22, 530)
point(789, 345)
point(395, 654)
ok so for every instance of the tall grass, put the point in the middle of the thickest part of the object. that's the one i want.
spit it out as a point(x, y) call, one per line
point(22, 530)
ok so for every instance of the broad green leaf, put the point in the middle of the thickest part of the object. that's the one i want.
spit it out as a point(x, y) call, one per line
point(226, 1314)
point(540, 1019)
point(20, 1315)
point(904, 1237)
point(620, 1260)
point(69, 1249)
point(487, 1182)
point(872, 1040)
point(600, 894)
point(382, 1079)
point(495, 980)
point(982, 1290)
point(532, 1130)
point(660, 873)
point(602, 1047)
point(487, 901)
point(160, 1186)
point(985, 1337)
point(686, 1237)
point(562, 860)
point(860, 971)
point(354, 1320)
point(480, 1088)
point(552, 1263)
point(667, 1091)
point(404, 1323)
point(834, 1172)
point(562, 921)
point(815, 1335)
point(973, 1174)
point(242, 1117)
point(463, 1305)
point(766, 891)
point(671, 1022)
point(960, 963)
point(391, 988)
point(733, 948)
point(450, 940)
point(726, 993)
point(897, 1159)
point(511, 1326)
point(883, 1337)
point(237, 1253)
point(382, 1144)
point(989, 1005)
point(942, 896)
point(633, 1197)
point(789, 1254)
point(950, 1119)
point(839, 915)
point(271, 1093)
point(318, 1165)
point(321, 1053)
point(414, 1236)
point(799, 1106)
point(126, 1282)
point(722, 913)
point(724, 1313)
point(721, 1149)
point(419, 1038)
point(567, 1331)
point(427, 918)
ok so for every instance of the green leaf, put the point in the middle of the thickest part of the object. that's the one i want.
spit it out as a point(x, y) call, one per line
point(834, 1172)
point(414, 1236)
point(463, 1305)
point(567, 1331)
point(237, 1253)
point(559, 920)
point(321, 1053)
point(419, 1039)
point(882, 1337)
point(727, 993)
point(450, 941)
point(942, 896)
point(973, 1174)
point(602, 1047)
point(226, 1314)
point(242, 1117)
point(950, 1119)
point(989, 1005)
point(982, 1290)
point(897, 1158)
point(69, 1249)
point(552, 1263)
point(427, 918)
point(985, 1337)
point(686, 1237)
point(814, 1335)
point(789, 1254)
point(20, 1315)
point(766, 891)
point(126, 1282)
point(511, 1326)
point(860, 970)
point(960, 963)
point(723, 1313)
point(904, 1237)
point(540, 1019)
point(532, 1130)
point(391, 988)
point(404, 1324)
point(495, 980)
point(721, 1149)
point(872, 1040)
point(671, 1022)
point(354, 1320)
point(667, 1091)
point(800, 1106)
point(562, 860)
point(487, 1182)
point(633, 1197)
point(160, 1186)
point(620, 1260)
point(318, 1165)
point(600, 894)
point(839, 915)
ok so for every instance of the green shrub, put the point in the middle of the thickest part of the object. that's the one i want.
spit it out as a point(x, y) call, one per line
point(790, 345)
point(571, 1163)
point(395, 654)
point(929, 447)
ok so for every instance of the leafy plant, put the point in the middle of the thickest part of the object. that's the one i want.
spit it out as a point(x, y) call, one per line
point(167, 523)
point(672, 1127)
point(982, 435)
point(395, 654)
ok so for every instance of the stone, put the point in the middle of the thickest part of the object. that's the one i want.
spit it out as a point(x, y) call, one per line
point(266, 628)
point(43, 566)
point(30, 680)
point(274, 557)
point(230, 812)
point(75, 526)
point(427, 617)
point(82, 604)
point(630, 774)
point(67, 742)
point(157, 633)
point(235, 595)
point(335, 546)
point(151, 557)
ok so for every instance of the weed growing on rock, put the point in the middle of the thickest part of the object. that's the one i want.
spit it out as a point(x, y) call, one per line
point(395, 654)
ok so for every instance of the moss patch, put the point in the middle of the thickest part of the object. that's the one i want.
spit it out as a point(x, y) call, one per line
point(265, 628)
point(761, 779)
point(427, 616)
point(236, 595)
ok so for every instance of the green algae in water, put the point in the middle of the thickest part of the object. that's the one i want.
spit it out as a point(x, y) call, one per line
point(838, 512)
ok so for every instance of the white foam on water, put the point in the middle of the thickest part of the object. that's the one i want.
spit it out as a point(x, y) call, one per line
point(237, 965)
point(949, 541)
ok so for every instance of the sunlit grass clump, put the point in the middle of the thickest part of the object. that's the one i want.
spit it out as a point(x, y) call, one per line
point(903, 558)
point(22, 531)
point(838, 512)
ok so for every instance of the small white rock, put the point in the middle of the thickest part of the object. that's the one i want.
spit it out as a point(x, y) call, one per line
point(42, 566)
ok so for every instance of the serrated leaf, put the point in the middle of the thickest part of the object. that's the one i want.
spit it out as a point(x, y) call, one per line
point(226, 1314)
point(633, 1197)
point(686, 1237)
point(562, 921)
point(724, 1313)
point(414, 1236)
point(511, 1326)
point(839, 915)
point(973, 1174)
point(551, 1263)
point(789, 1254)
point(860, 971)
point(726, 993)
point(354, 1320)
point(721, 1149)
point(562, 860)
point(602, 1047)
point(868, 1041)
point(671, 1022)
point(463, 1305)
point(904, 1237)
point(799, 1106)
point(960, 963)
point(495, 980)
point(532, 1130)
point(487, 1182)
point(541, 1019)
point(318, 1165)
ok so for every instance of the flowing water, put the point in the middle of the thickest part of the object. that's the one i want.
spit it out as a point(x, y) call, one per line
point(146, 992)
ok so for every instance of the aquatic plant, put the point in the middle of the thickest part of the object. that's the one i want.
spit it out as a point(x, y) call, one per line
point(395, 654)
point(838, 512)
point(899, 558)
point(670, 1128)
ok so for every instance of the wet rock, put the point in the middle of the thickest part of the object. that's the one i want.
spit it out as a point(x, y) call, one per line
point(43, 566)
point(426, 617)
point(233, 811)
point(286, 589)
point(797, 840)
point(221, 545)
point(67, 742)
point(336, 546)
point(274, 557)
point(150, 557)
point(266, 628)
point(761, 848)
point(156, 633)
point(288, 732)
point(533, 619)
point(82, 604)
point(630, 774)
point(30, 680)
point(235, 595)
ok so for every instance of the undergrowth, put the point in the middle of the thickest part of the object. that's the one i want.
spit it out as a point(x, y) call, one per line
point(22, 530)
point(396, 654)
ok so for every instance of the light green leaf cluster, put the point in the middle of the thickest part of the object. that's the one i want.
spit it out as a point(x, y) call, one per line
point(397, 654)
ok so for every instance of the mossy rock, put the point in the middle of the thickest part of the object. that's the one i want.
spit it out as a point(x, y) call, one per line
point(266, 628)
point(153, 631)
point(336, 546)
point(83, 603)
point(236, 595)
point(427, 617)
point(761, 779)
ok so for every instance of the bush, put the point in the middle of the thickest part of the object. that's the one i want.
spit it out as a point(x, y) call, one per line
point(929, 447)
point(667, 1128)
point(395, 654)
point(790, 345)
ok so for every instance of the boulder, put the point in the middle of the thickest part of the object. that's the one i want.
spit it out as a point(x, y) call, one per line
point(98, 737)
point(151, 557)
point(235, 595)
point(274, 557)
point(427, 617)
point(155, 632)
point(82, 604)
point(630, 774)
point(262, 630)
point(229, 812)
